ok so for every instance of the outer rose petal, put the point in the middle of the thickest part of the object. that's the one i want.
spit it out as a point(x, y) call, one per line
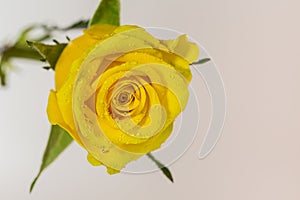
point(93, 161)
point(182, 47)
point(68, 64)
point(55, 117)
point(179, 63)
point(76, 48)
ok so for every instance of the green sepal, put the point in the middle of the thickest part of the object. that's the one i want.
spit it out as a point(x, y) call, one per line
point(202, 61)
point(82, 24)
point(108, 12)
point(50, 53)
point(161, 166)
point(58, 141)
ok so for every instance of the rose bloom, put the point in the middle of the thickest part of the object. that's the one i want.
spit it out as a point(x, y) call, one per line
point(118, 91)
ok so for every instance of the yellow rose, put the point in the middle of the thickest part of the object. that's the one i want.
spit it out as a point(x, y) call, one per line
point(119, 90)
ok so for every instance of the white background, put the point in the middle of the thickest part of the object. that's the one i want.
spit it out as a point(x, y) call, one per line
point(256, 46)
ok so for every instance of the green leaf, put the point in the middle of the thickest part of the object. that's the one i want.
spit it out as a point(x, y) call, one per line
point(108, 12)
point(24, 35)
point(77, 25)
point(58, 141)
point(164, 169)
point(50, 53)
point(16, 51)
point(20, 48)
point(2, 73)
point(202, 61)
point(19, 51)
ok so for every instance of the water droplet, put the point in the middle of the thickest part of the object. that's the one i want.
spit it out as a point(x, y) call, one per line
point(84, 134)
point(138, 134)
point(133, 62)
point(172, 76)
point(102, 116)
point(67, 101)
point(104, 150)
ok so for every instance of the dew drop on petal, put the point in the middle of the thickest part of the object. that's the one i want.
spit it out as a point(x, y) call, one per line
point(104, 150)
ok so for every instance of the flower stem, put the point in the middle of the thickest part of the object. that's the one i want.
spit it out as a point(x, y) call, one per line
point(16, 51)
point(164, 169)
point(20, 52)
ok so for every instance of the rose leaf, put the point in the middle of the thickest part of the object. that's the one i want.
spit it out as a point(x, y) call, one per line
point(202, 61)
point(164, 169)
point(108, 12)
point(58, 141)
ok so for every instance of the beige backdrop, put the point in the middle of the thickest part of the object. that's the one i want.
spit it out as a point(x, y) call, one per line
point(256, 46)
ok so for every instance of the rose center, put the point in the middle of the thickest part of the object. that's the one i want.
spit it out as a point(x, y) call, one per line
point(123, 98)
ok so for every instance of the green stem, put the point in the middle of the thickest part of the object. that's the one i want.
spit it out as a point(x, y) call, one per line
point(16, 51)
point(20, 52)
point(2, 74)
